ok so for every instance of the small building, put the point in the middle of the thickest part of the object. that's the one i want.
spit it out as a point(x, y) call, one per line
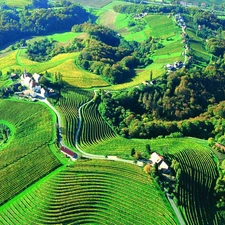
point(69, 153)
point(162, 165)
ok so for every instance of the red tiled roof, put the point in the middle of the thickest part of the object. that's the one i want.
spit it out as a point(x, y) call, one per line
point(67, 151)
point(220, 146)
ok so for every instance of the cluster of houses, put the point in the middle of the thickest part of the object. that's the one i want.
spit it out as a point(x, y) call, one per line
point(159, 160)
point(174, 66)
point(31, 86)
point(140, 16)
point(179, 20)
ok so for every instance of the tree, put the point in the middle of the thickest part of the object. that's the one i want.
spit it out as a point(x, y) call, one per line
point(40, 3)
point(138, 155)
point(0, 73)
point(148, 149)
point(151, 75)
point(147, 168)
point(132, 152)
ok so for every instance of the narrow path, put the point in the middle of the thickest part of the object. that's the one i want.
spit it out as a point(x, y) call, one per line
point(176, 210)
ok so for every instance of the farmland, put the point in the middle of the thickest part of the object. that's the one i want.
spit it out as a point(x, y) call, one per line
point(94, 128)
point(68, 105)
point(104, 185)
point(37, 188)
point(22, 148)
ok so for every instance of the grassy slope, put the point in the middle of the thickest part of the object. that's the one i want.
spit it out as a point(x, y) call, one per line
point(16, 3)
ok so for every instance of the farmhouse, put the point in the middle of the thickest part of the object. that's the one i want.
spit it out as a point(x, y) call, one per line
point(32, 82)
point(162, 166)
point(69, 153)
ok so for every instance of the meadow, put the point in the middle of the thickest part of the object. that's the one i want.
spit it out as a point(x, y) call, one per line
point(16, 3)
point(27, 155)
point(93, 192)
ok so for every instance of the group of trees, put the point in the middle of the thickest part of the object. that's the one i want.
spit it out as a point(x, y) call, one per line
point(40, 50)
point(4, 133)
point(106, 53)
point(15, 25)
point(187, 102)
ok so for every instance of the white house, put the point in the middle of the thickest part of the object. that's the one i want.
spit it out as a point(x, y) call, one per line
point(162, 166)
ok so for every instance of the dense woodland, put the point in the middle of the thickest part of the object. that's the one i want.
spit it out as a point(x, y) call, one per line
point(189, 102)
point(15, 25)
point(106, 53)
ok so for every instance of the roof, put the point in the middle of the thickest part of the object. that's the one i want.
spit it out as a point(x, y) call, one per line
point(36, 77)
point(68, 151)
point(156, 158)
point(163, 166)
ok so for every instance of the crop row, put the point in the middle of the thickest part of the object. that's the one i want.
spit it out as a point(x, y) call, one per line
point(93, 191)
point(68, 106)
point(196, 186)
point(94, 127)
point(27, 119)
point(19, 175)
point(26, 157)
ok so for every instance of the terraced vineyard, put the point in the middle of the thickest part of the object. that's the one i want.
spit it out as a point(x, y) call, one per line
point(197, 181)
point(68, 106)
point(94, 129)
point(93, 192)
point(27, 154)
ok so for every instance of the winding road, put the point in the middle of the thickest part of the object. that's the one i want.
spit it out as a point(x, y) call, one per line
point(92, 156)
point(84, 154)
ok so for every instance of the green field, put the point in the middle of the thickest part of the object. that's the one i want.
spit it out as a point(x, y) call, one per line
point(68, 106)
point(93, 192)
point(16, 3)
point(59, 37)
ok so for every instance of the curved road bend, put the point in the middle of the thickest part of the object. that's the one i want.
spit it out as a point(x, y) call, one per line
point(84, 154)
point(92, 156)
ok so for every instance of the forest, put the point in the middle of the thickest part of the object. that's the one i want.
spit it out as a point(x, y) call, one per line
point(15, 25)
point(189, 102)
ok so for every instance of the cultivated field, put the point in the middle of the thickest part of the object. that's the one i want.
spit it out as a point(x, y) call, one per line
point(26, 157)
point(94, 129)
point(196, 186)
point(93, 192)
point(68, 105)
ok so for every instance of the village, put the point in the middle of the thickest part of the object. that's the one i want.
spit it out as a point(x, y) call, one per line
point(27, 86)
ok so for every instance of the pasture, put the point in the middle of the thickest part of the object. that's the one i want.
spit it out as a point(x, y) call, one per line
point(26, 157)
point(93, 192)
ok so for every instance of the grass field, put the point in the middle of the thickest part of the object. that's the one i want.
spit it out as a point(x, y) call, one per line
point(93, 192)
point(16, 3)
point(59, 37)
